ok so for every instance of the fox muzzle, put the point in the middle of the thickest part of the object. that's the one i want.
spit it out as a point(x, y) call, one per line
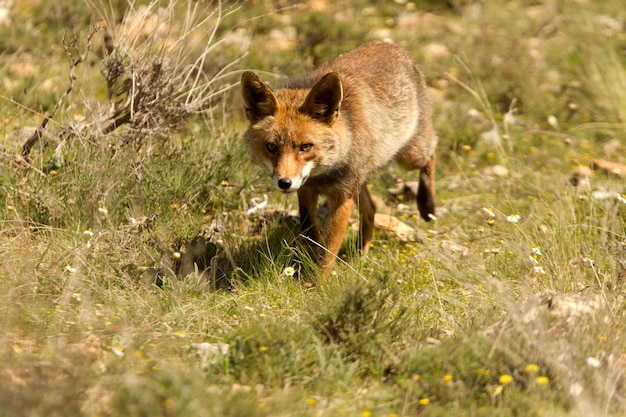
point(284, 183)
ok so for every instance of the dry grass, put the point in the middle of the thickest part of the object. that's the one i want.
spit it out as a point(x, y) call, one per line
point(133, 283)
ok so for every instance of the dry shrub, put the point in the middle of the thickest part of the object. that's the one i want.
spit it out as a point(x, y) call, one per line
point(158, 66)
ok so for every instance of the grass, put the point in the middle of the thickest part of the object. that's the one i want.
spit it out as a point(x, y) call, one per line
point(132, 282)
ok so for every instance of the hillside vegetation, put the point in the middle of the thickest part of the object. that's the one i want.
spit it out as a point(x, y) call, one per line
point(148, 268)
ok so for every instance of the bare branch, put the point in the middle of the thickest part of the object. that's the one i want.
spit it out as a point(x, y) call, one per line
point(75, 58)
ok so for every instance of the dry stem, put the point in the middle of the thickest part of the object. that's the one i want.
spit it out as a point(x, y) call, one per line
point(75, 58)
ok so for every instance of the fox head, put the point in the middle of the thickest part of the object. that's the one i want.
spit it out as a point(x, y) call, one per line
point(292, 133)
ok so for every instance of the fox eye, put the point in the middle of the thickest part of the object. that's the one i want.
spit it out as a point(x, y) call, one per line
point(271, 147)
point(304, 148)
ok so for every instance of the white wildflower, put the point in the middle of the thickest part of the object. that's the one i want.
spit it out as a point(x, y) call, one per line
point(538, 269)
point(553, 122)
point(575, 389)
point(474, 113)
point(118, 350)
point(489, 212)
point(593, 361)
point(492, 136)
point(513, 218)
point(403, 208)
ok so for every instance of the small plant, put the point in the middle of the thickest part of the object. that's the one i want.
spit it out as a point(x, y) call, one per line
point(155, 76)
point(365, 318)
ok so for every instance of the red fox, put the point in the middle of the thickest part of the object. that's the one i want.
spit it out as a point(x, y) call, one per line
point(325, 132)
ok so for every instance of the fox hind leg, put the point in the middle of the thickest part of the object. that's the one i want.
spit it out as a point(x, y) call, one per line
point(426, 190)
point(410, 159)
point(367, 211)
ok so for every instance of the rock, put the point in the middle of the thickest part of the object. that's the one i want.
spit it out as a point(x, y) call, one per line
point(610, 167)
point(435, 51)
point(561, 306)
point(603, 195)
point(383, 34)
point(317, 5)
point(414, 21)
point(209, 352)
point(390, 223)
point(497, 171)
point(454, 248)
point(22, 68)
point(609, 24)
point(539, 14)
point(612, 148)
point(282, 39)
point(5, 12)
point(238, 38)
point(550, 312)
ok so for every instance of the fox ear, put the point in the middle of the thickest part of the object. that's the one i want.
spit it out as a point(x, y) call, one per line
point(258, 98)
point(324, 100)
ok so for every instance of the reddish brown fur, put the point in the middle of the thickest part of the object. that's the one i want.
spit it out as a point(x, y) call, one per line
point(324, 133)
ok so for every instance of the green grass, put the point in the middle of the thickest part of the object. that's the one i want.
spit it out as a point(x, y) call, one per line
point(127, 259)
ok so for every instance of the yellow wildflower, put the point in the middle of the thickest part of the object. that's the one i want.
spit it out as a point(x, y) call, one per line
point(532, 368)
point(505, 379)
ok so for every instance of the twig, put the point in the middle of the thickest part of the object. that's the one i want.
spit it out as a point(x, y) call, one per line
point(74, 59)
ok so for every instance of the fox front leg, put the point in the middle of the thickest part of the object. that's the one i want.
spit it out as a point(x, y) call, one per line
point(336, 225)
point(307, 206)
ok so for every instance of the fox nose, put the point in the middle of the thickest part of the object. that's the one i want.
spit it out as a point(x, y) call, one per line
point(284, 183)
